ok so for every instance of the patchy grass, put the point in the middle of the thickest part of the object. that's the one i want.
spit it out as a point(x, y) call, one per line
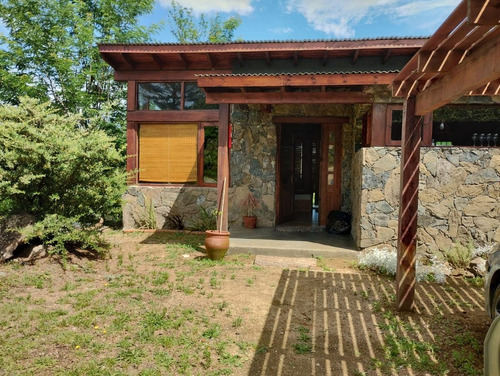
point(156, 306)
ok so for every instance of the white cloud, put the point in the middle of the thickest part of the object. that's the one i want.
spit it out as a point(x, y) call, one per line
point(340, 17)
point(242, 7)
point(281, 30)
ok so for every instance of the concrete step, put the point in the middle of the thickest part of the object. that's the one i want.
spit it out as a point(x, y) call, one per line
point(266, 241)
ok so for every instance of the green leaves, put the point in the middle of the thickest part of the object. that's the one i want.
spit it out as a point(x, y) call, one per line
point(49, 165)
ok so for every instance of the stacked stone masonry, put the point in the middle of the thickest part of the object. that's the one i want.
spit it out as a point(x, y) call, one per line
point(458, 197)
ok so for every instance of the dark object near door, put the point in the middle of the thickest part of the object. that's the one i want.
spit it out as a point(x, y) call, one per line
point(338, 222)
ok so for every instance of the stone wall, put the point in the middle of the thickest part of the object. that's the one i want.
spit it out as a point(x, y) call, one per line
point(253, 154)
point(459, 196)
point(184, 200)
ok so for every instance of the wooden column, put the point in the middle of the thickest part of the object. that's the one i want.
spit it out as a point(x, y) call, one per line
point(408, 206)
point(223, 161)
point(132, 135)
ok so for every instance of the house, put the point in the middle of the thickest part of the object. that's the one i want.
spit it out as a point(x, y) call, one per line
point(313, 126)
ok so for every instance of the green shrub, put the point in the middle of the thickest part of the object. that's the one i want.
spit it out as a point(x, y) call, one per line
point(62, 174)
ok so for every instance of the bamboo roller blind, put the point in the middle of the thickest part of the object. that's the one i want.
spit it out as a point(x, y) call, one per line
point(168, 153)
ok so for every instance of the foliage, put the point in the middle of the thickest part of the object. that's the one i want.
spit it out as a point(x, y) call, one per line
point(249, 204)
point(50, 52)
point(147, 219)
point(60, 173)
point(213, 30)
point(175, 220)
point(460, 255)
point(50, 166)
point(62, 232)
point(206, 221)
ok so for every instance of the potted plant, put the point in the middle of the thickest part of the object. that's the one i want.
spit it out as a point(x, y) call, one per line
point(217, 241)
point(249, 204)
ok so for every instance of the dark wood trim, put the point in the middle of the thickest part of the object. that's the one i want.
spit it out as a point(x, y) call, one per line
point(131, 96)
point(223, 162)
point(408, 206)
point(289, 97)
point(378, 124)
point(330, 195)
point(132, 152)
point(201, 141)
point(173, 116)
point(297, 80)
point(309, 119)
point(164, 75)
point(277, 206)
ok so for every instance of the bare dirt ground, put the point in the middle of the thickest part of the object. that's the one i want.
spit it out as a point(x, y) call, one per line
point(157, 306)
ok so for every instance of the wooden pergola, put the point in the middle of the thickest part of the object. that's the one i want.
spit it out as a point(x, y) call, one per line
point(461, 58)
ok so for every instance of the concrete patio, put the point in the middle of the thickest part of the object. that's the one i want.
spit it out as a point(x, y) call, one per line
point(268, 241)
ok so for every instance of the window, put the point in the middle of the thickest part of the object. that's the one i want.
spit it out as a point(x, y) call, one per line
point(184, 153)
point(158, 96)
point(394, 128)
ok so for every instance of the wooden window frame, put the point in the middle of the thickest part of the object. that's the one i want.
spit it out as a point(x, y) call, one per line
point(388, 128)
point(134, 160)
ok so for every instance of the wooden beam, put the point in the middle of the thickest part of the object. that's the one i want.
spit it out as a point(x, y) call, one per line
point(184, 60)
point(325, 58)
point(157, 61)
point(483, 12)
point(475, 71)
point(223, 161)
point(128, 61)
point(169, 116)
point(289, 97)
point(240, 59)
point(132, 153)
point(268, 58)
point(296, 80)
point(439, 61)
point(209, 57)
point(310, 119)
point(163, 75)
point(386, 56)
point(408, 207)
point(295, 58)
point(355, 57)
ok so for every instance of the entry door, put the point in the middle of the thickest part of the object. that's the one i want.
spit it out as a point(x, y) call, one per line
point(330, 167)
point(285, 183)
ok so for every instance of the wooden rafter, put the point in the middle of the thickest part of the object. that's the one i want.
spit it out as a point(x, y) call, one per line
point(474, 72)
point(156, 59)
point(128, 61)
point(456, 39)
point(355, 56)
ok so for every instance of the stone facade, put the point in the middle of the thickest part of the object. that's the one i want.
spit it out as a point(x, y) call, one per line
point(186, 200)
point(253, 154)
point(458, 196)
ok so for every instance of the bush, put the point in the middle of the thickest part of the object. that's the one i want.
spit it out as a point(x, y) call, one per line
point(57, 171)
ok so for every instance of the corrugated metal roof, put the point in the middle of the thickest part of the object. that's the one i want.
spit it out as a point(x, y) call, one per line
point(293, 74)
point(389, 38)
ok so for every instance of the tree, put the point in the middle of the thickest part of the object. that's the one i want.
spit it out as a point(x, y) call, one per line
point(51, 52)
point(60, 173)
point(213, 30)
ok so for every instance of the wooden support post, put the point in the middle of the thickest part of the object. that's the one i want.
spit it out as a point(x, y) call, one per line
point(408, 206)
point(223, 161)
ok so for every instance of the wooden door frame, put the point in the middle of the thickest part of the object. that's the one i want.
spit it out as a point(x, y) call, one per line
point(323, 121)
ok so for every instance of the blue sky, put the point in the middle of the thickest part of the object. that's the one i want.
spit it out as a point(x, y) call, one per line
point(266, 20)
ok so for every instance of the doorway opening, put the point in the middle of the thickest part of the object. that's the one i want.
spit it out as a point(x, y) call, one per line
point(298, 174)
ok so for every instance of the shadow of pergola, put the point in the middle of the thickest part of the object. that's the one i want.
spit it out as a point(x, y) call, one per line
point(342, 314)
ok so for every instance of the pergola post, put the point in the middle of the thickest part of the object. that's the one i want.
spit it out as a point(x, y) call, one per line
point(408, 206)
point(223, 163)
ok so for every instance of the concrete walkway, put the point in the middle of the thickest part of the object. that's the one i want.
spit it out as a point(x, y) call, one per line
point(267, 241)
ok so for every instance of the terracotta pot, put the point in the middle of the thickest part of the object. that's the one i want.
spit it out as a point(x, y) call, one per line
point(250, 222)
point(216, 244)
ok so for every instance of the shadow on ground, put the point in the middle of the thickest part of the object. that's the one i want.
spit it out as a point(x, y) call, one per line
point(323, 323)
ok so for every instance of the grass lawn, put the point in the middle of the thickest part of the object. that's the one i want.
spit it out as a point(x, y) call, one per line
point(156, 306)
